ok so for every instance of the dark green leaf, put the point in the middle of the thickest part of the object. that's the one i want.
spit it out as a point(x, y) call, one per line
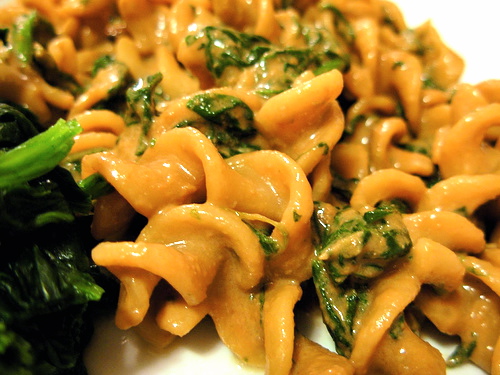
point(228, 122)
point(38, 155)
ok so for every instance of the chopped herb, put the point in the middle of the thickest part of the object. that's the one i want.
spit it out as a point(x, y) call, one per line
point(397, 327)
point(227, 111)
point(268, 243)
point(462, 353)
point(415, 148)
point(377, 237)
point(430, 83)
point(433, 179)
point(398, 65)
point(339, 306)
point(296, 216)
point(116, 78)
point(336, 62)
point(324, 146)
point(462, 211)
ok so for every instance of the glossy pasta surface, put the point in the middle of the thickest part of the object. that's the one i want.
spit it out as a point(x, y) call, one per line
point(267, 158)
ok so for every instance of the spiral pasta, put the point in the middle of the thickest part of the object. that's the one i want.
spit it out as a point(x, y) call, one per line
point(258, 150)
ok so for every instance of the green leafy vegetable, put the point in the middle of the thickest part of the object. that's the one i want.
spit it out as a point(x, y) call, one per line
point(228, 122)
point(115, 76)
point(38, 155)
point(101, 63)
point(339, 306)
point(23, 37)
point(397, 327)
point(46, 279)
point(342, 25)
point(268, 243)
point(46, 65)
point(141, 101)
point(227, 111)
point(462, 353)
point(95, 186)
point(142, 105)
point(225, 48)
point(360, 246)
point(16, 126)
point(30, 36)
point(352, 250)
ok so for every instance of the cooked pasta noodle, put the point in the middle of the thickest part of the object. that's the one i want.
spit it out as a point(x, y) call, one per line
point(263, 147)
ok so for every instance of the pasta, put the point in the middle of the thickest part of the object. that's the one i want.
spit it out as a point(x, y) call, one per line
point(259, 151)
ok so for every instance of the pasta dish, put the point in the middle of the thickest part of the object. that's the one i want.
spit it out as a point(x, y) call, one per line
point(246, 159)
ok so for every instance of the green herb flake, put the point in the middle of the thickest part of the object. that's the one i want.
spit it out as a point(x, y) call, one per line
point(296, 216)
point(461, 354)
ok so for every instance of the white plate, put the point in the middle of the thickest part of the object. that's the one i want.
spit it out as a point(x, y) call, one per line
point(472, 30)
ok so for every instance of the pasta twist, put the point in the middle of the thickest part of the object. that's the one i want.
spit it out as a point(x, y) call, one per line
point(164, 253)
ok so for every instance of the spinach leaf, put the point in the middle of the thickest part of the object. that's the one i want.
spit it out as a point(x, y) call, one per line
point(275, 68)
point(462, 353)
point(342, 24)
point(38, 155)
point(15, 126)
point(29, 29)
point(224, 48)
point(228, 122)
point(339, 305)
point(141, 104)
point(116, 78)
point(227, 111)
point(101, 63)
point(30, 36)
point(352, 250)
point(360, 246)
point(269, 245)
point(47, 286)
